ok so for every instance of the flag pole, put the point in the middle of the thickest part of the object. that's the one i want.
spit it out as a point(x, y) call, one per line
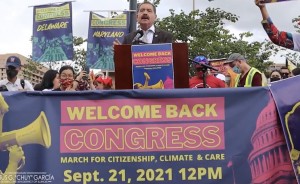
point(193, 5)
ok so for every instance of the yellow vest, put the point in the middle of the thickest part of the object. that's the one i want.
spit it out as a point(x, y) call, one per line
point(233, 77)
point(249, 78)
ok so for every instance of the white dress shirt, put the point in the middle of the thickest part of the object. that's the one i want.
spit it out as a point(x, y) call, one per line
point(16, 86)
point(148, 35)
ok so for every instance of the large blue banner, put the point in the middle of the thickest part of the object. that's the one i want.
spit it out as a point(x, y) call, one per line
point(52, 33)
point(144, 136)
point(287, 98)
point(102, 33)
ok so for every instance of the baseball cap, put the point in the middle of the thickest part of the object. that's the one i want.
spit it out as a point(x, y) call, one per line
point(234, 57)
point(13, 61)
point(105, 80)
point(201, 59)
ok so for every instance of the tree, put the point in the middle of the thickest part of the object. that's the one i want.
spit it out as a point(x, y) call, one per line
point(297, 23)
point(79, 53)
point(205, 34)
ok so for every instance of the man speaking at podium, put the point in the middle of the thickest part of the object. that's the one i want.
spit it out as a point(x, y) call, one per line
point(148, 33)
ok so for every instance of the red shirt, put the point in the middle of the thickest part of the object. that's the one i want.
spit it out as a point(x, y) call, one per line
point(211, 82)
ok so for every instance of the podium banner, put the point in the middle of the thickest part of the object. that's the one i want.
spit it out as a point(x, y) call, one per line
point(144, 136)
point(152, 66)
point(52, 33)
point(101, 35)
point(287, 98)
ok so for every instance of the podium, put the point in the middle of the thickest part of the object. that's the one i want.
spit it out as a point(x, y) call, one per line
point(123, 66)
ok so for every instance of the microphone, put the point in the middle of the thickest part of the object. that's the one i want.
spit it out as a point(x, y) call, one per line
point(138, 35)
point(204, 65)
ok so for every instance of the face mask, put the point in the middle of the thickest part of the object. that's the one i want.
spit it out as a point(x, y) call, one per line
point(200, 74)
point(65, 83)
point(274, 79)
point(11, 73)
point(285, 75)
point(236, 69)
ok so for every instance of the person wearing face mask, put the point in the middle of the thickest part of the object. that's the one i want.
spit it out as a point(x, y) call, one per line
point(275, 76)
point(146, 16)
point(68, 82)
point(203, 76)
point(248, 76)
point(13, 83)
point(285, 72)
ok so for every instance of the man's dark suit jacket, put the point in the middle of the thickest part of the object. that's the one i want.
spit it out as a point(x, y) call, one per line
point(158, 37)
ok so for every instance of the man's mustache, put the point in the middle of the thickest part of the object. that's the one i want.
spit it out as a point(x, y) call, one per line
point(145, 17)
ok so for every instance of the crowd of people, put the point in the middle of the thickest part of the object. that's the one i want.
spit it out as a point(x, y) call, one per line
point(235, 72)
point(63, 80)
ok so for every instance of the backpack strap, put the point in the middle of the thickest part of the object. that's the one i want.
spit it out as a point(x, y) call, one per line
point(22, 83)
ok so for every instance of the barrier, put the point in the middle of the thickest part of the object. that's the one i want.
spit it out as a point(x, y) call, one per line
point(152, 136)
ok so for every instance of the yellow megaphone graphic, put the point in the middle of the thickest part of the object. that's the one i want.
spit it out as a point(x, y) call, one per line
point(3, 110)
point(38, 132)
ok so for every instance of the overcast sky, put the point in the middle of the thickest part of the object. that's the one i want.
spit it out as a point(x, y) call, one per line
point(16, 17)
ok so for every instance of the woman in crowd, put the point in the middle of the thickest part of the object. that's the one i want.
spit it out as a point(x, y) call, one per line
point(103, 82)
point(68, 82)
point(50, 81)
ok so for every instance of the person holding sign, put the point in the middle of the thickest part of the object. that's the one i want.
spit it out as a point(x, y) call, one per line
point(281, 38)
point(148, 33)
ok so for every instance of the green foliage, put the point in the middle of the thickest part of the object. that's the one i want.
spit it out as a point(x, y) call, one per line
point(79, 53)
point(282, 52)
point(205, 33)
point(296, 22)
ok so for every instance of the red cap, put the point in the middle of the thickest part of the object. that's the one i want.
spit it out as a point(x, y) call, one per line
point(104, 80)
